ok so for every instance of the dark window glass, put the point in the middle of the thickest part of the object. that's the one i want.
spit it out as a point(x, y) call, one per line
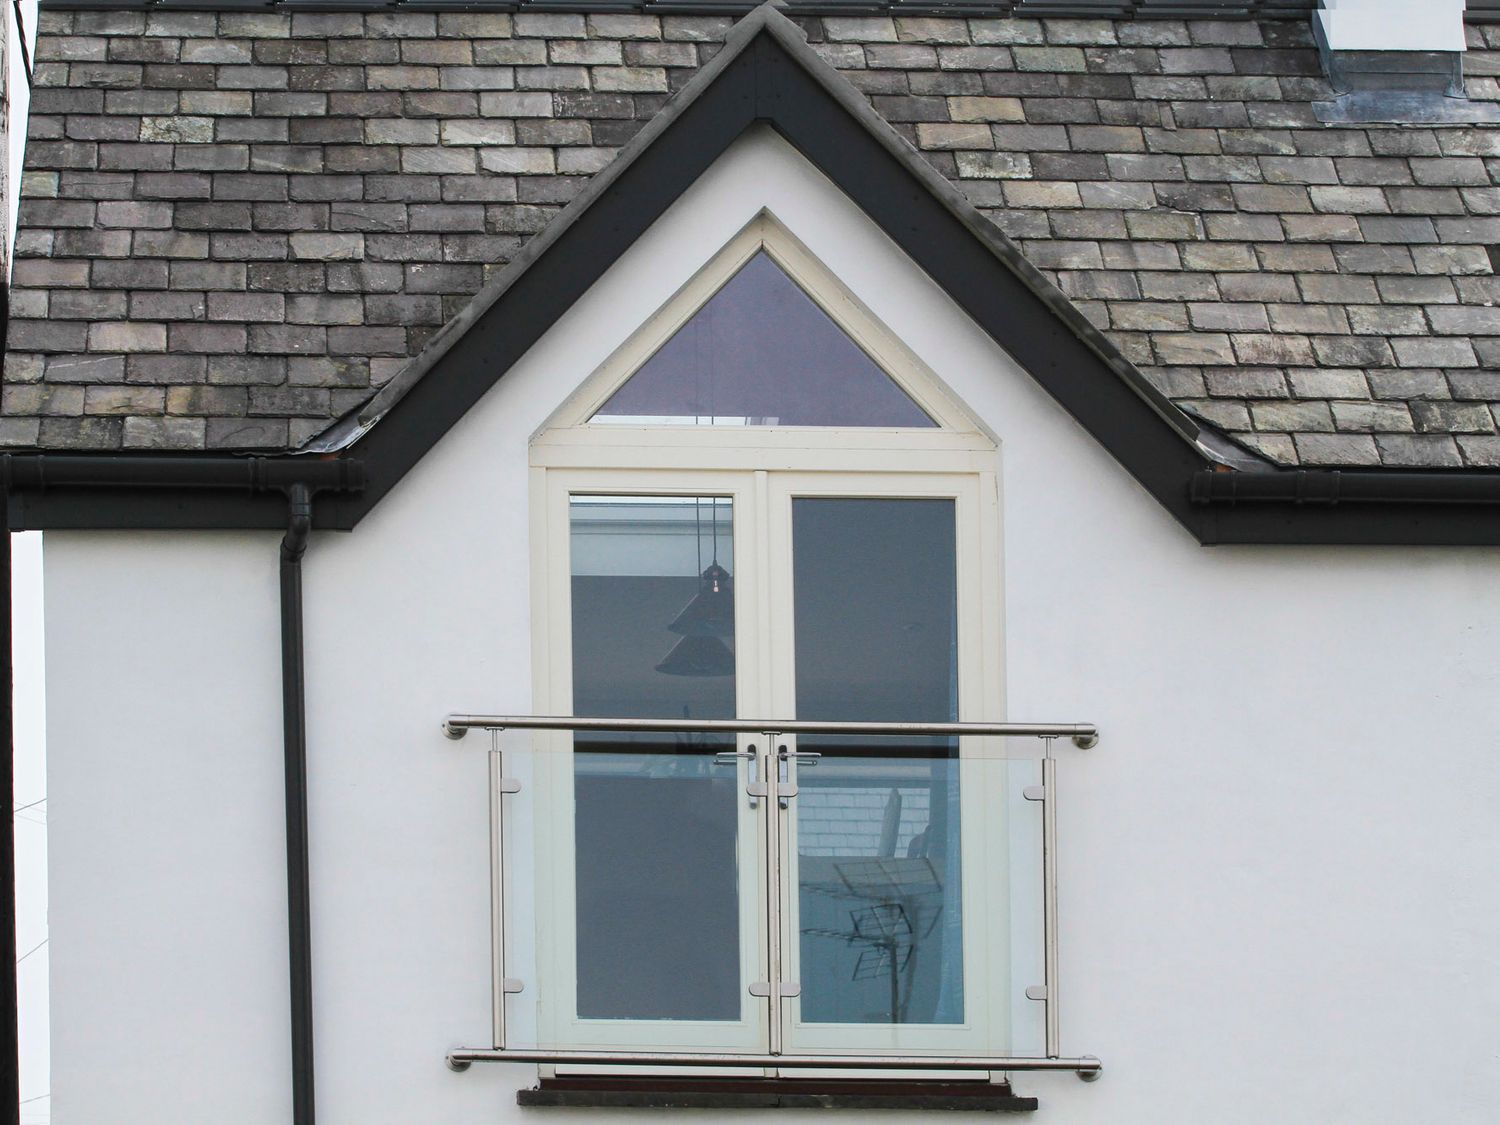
point(880, 913)
point(761, 353)
point(655, 817)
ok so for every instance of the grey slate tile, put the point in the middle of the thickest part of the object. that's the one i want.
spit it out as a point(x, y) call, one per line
point(336, 183)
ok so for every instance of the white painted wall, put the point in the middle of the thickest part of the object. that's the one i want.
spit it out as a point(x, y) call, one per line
point(167, 869)
point(1277, 866)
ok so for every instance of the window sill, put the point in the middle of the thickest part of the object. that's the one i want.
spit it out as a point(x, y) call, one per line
point(593, 1091)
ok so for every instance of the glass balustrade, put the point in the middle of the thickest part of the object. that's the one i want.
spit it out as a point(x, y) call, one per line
point(749, 894)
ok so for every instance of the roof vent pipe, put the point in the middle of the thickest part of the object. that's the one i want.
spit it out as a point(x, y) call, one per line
point(1395, 61)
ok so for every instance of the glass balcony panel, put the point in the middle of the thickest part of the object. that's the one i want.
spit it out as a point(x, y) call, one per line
point(880, 912)
point(916, 900)
point(656, 863)
point(632, 910)
point(634, 899)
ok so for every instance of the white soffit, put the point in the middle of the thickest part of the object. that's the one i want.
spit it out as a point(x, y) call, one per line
point(1393, 25)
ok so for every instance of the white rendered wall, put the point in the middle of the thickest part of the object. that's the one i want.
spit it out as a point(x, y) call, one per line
point(1277, 867)
point(167, 869)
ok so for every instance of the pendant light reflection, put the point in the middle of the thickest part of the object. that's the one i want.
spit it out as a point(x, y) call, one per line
point(698, 656)
point(704, 621)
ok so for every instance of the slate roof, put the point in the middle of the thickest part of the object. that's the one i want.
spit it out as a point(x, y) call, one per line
point(235, 227)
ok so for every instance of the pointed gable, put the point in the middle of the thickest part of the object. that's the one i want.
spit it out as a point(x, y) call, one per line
point(768, 75)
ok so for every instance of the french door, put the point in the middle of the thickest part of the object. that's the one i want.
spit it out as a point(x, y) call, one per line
point(862, 902)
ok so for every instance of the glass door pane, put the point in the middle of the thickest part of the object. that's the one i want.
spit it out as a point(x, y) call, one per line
point(659, 907)
point(880, 915)
point(657, 886)
point(875, 601)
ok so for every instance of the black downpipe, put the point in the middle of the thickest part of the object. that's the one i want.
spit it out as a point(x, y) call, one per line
point(294, 737)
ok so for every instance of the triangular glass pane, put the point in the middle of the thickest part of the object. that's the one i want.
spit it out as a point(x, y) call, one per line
point(760, 352)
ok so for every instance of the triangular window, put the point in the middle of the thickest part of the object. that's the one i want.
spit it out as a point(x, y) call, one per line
point(761, 352)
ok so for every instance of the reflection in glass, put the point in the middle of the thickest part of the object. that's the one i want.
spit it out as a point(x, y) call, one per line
point(877, 858)
point(658, 932)
point(761, 352)
point(658, 907)
point(880, 911)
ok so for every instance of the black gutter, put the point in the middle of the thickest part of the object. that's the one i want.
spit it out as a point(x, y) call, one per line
point(1346, 507)
point(1331, 487)
point(44, 471)
point(300, 480)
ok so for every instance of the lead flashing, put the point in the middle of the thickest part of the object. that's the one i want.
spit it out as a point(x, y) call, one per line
point(1396, 86)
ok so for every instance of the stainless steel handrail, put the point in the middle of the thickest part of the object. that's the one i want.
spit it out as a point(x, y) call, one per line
point(1084, 735)
point(1087, 1066)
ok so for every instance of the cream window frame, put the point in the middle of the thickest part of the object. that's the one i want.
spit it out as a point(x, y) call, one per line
point(762, 468)
point(957, 443)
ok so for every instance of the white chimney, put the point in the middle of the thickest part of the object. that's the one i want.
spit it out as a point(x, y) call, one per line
point(1392, 25)
point(1399, 61)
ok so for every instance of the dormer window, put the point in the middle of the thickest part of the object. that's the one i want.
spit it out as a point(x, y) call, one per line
point(764, 504)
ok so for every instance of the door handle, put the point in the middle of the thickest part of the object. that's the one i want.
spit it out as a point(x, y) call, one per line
point(754, 787)
point(787, 787)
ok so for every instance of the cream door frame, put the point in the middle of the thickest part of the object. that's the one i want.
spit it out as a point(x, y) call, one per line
point(761, 467)
point(765, 688)
point(983, 839)
point(556, 948)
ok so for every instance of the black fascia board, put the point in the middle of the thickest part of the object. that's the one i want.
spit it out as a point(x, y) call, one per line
point(764, 84)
